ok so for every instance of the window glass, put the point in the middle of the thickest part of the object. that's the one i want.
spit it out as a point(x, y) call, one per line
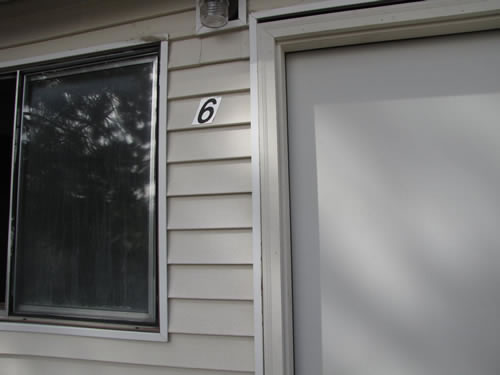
point(86, 198)
point(7, 106)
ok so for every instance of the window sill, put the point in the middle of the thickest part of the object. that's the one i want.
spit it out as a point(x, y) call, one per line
point(139, 335)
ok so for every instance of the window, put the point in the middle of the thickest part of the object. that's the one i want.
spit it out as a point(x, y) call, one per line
point(81, 240)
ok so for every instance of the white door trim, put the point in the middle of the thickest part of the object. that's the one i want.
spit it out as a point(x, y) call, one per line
point(270, 40)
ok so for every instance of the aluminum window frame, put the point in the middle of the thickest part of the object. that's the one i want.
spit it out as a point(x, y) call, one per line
point(123, 54)
point(4, 307)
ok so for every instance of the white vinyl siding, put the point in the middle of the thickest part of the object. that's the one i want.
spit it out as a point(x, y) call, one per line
point(196, 351)
point(76, 17)
point(210, 212)
point(9, 365)
point(197, 51)
point(211, 317)
point(222, 282)
point(209, 177)
point(53, 366)
point(139, 31)
point(220, 246)
point(209, 79)
point(209, 144)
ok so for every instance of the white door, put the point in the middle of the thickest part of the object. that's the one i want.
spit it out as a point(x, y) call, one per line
point(394, 152)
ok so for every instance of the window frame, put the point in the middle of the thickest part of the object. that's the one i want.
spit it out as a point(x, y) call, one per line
point(4, 307)
point(72, 59)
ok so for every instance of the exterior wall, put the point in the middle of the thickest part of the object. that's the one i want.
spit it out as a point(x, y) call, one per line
point(209, 189)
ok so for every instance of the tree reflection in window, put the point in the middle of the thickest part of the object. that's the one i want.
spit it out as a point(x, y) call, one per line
point(86, 225)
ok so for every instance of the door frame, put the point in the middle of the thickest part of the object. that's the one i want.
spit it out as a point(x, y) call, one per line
point(272, 34)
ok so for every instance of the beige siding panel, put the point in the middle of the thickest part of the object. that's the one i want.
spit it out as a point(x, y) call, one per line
point(184, 52)
point(210, 212)
point(175, 25)
point(213, 177)
point(231, 353)
point(234, 45)
point(59, 18)
point(221, 282)
point(52, 366)
point(8, 366)
point(209, 79)
point(232, 246)
point(217, 48)
point(233, 109)
point(115, 11)
point(209, 144)
point(211, 317)
point(46, 23)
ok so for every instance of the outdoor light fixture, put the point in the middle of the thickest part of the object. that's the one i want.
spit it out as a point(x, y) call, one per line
point(214, 13)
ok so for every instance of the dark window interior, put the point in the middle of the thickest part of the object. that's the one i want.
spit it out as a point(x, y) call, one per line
point(7, 100)
point(233, 10)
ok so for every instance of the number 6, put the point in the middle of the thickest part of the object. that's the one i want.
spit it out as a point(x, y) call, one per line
point(207, 110)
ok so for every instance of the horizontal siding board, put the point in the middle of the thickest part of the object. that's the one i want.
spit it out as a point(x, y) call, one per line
point(221, 282)
point(233, 353)
point(54, 366)
point(216, 48)
point(210, 212)
point(210, 246)
point(93, 12)
point(175, 25)
point(206, 144)
point(233, 318)
point(208, 79)
point(226, 46)
point(9, 366)
point(69, 18)
point(233, 109)
point(184, 52)
point(214, 177)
